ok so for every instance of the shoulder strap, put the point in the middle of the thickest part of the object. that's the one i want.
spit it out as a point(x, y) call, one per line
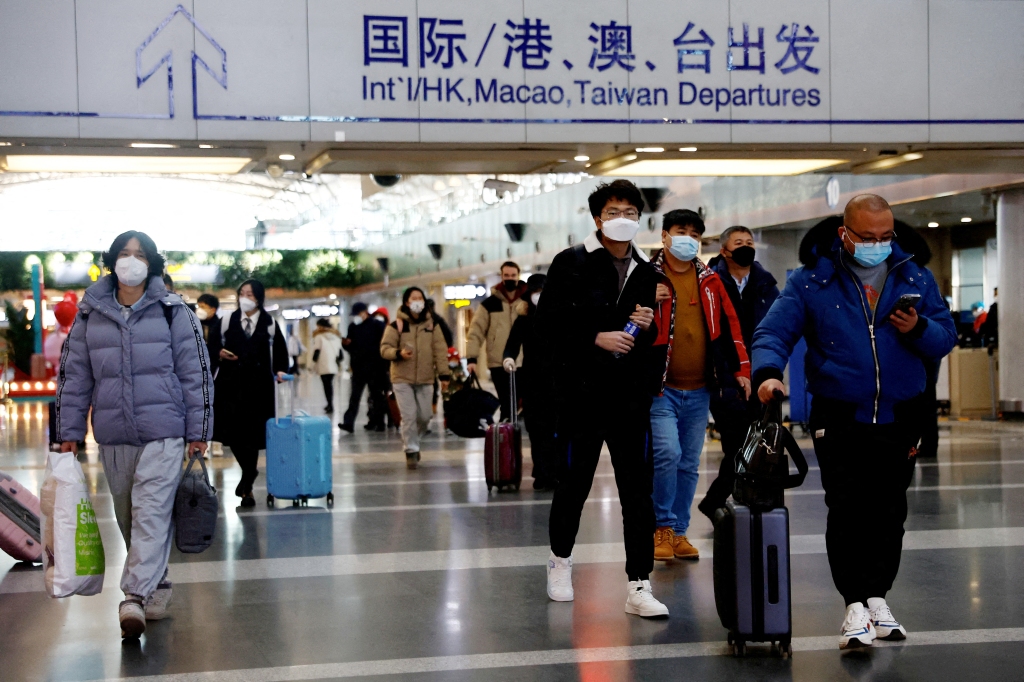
point(225, 322)
point(580, 252)
point(789, 442)
point(397, 324)
point(168, 314)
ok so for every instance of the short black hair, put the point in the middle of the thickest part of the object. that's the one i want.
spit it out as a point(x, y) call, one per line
point(156, 261)
point(536, 282)
point(682, 217)
point(323, 322)
point(168, 282)
point(359, 307)
point(510, 264)
point(730, 231)
point(210, 300)
point(408, 292)
point(257, 290)
point(623, 190)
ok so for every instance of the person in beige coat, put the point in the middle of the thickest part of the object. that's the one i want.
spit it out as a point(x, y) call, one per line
point(492, 323)
point(417, 351)
point(327, 358)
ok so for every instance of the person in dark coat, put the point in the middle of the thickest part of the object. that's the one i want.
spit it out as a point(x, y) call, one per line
point(752, 290)
point(253, 355)
point(363, 345)
point(537, 409)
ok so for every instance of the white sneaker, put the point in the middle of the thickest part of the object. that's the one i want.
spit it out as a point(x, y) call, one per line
point(640, 601)
point(886, 627)
point(132, 617)
point(156, 605)
point(559, 578)
point(857, 632)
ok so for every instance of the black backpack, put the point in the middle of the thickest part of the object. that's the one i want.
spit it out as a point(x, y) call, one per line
point(762, 467)
point(470, 410)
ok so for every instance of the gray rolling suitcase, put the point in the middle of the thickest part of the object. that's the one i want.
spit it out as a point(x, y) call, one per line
point(751, 569)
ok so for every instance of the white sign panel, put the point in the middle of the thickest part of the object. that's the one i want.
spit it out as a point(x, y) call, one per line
point(742, 71)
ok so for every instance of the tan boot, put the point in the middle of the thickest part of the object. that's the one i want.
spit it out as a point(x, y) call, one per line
point(663, 544)
point(682, 549)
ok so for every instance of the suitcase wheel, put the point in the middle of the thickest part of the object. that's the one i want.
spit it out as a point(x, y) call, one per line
point(489, 488)
point(786, 649)
point(739, 649)
point(330, 499)
point(517, 487)
point(270, 500)
point(305, 501)
point(295, 503)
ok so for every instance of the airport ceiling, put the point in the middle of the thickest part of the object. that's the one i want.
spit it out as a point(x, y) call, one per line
point(595, 158)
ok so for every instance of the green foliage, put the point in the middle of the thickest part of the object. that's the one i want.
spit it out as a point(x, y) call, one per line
point(295, 270)
point(20, 338)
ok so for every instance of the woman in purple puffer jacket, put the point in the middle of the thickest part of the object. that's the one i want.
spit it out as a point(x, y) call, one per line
point(135, 354)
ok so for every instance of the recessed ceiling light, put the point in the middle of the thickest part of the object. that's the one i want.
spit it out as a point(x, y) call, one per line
point(687, 149)
point(933, 224)
point(5, 144)
point(562, 160)
point(54, 163)
point(650, 149)
point(206, 146)
point(153, 145)
point(581, 157)
point(724, 167)
point(287, 157)
point(965, 219)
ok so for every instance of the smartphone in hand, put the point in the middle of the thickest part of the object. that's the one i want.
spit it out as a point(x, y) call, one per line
point(905, 303)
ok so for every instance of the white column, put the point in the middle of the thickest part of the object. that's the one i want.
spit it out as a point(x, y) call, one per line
point(1010, 236)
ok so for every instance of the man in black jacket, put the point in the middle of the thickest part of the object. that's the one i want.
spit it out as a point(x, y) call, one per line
point(752, 290)
point(363, 345)
point(602, 380)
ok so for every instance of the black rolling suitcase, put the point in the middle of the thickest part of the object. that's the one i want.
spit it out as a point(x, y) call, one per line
point(751, 550)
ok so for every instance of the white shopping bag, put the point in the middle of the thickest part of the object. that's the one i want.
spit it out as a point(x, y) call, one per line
point(73, 559)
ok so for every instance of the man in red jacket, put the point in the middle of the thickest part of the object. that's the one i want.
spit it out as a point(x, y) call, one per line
point(700, 334)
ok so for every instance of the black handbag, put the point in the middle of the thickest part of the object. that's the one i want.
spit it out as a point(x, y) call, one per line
point(762, 467)
point(195, 509)
point(469, 412)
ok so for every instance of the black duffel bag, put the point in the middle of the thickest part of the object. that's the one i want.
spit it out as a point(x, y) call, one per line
point(762, 467)
point(469, 412)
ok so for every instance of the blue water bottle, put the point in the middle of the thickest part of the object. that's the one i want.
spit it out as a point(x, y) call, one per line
point(632, 330)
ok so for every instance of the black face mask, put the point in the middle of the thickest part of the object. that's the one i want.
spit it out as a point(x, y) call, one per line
point(511, 284)
point(743, 256)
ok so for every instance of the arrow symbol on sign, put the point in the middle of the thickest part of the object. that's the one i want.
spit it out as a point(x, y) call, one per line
point(142, 75)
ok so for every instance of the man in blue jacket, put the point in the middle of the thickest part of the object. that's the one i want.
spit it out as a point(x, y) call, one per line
point(866, 367)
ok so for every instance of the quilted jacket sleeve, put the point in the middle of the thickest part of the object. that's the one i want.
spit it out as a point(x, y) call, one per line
point(75, 385)
point(779, 332)
point(192, 367)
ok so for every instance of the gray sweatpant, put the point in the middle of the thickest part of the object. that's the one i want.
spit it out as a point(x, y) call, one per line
point(415, 404)
point(143, 481)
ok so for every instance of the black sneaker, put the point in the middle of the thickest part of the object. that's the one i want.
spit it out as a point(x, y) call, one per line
point(346, 428)
point(542, 484)
point(412, 460)
point(708, 507)
point(248, 500)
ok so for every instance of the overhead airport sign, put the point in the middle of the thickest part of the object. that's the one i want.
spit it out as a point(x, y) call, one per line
point(522, 71)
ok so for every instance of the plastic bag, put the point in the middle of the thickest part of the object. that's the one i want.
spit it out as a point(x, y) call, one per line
point(73, 558)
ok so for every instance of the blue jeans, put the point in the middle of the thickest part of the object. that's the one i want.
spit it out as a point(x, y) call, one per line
point(679, 420)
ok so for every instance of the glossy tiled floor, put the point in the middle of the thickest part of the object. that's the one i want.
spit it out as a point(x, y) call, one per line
point(425, 576)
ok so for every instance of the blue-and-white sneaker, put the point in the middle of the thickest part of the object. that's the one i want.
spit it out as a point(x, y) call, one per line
point(886, 626)
point(858, 631)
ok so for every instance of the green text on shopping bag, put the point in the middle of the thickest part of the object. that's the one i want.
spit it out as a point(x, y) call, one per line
point(89, 558)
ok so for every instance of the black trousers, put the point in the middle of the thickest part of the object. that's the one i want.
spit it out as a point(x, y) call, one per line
point(541, 428)
point(328, 382)
point(930, 435)
point(865, 471)
point(630, 446)
point(502, 381)
point(359, 381)
point(732, 421)
point(247, 459)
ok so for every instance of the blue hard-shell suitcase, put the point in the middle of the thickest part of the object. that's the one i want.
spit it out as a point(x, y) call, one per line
point(299, 459)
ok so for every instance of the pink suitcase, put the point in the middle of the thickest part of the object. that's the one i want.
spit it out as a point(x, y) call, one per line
point(503, 450)
point(19, 521)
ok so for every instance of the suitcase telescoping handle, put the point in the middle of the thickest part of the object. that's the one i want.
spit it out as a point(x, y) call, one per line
point(288, 379)
point(512, 396)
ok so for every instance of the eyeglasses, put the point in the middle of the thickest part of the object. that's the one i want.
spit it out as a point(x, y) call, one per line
point(871, 240)
point(629, 214)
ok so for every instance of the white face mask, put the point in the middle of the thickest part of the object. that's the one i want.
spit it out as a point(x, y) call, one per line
point(201, 313)
point(416, 307)
point(620, 229)
point(246, 304)
point(131, 271)
point(535, 297)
